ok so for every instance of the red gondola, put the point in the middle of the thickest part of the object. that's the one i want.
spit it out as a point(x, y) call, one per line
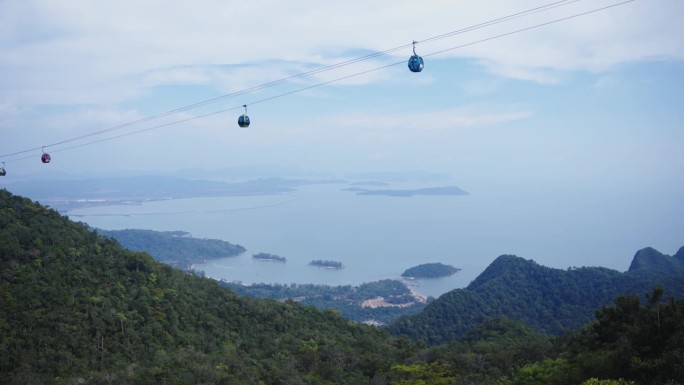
point(45, 158)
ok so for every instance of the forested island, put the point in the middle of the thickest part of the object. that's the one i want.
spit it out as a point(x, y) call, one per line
point(326, 264)
point(269, 257)
point(430, 270)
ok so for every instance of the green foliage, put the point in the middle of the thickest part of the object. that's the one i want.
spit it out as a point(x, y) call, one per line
point(596, 381)
point(492, 350)
point(549, 300)
point(629, 343)
point(422, 374)
point(175, 248)
point(547, 372)
point(76, 307)
point(430, 270)
point(635, 341)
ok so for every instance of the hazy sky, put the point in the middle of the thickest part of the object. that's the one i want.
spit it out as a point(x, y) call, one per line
point(598, 94)
point(585, 113)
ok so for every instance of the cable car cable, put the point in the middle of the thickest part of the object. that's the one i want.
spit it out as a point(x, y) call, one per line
point(532, 27)
point(132, 133)
point(303, 74)
point(322, 83)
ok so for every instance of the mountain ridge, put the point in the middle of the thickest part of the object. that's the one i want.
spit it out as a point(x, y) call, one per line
point(549, 300)
point(651, 260)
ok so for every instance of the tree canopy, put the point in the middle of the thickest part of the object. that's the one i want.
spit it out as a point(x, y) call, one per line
point(76, 307)
point(547, 299)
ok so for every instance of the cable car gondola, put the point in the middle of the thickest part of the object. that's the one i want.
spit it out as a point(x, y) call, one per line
point(45, 158)
point(415, 62)
point(2, 170)
point(243, 120)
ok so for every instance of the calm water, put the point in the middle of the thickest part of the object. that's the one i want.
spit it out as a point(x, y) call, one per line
point(378, 237)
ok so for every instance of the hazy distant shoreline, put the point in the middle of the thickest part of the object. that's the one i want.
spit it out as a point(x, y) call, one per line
point(432, 191)
point(67, 195)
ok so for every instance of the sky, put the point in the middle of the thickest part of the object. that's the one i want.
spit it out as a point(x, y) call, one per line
point(589, 106)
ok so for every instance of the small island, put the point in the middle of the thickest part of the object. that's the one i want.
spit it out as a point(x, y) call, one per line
point(325, 264)
point(430, 270)
point(268, 257)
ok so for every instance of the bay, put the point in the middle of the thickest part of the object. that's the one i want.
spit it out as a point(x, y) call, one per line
point(378, 237)
point(375, 237)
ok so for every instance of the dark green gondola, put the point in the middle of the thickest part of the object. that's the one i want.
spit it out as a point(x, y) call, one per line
point(243, 120)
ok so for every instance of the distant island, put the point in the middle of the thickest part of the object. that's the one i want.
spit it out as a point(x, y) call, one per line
point(369, 183)
point(326, 264)
point(269, 257)
point(448, 190)
point(430, 270)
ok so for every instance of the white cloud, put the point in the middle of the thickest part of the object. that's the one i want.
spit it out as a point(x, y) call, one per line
point(104, 60)
point(395, 127)
point(633, 32)
point(62, 51)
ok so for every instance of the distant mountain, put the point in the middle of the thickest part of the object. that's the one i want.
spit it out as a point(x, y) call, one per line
point(651, 261)
point(549, 300)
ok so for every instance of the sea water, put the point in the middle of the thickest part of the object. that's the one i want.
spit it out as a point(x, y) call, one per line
point(375, 237)
point(378, 237)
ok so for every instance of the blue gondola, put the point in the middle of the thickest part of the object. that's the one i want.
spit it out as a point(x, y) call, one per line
point(243, 120)
point(415, 62)
point(2, 170)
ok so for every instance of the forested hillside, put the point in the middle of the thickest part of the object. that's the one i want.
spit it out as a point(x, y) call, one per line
point(549, 300)
point(78, 308)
